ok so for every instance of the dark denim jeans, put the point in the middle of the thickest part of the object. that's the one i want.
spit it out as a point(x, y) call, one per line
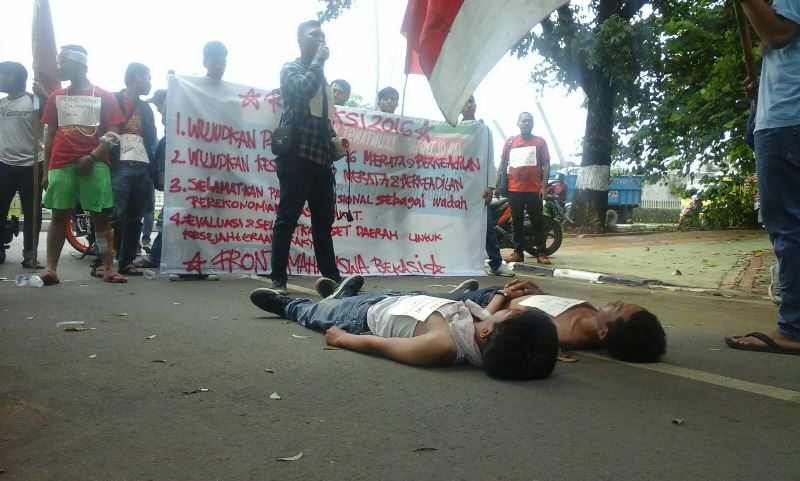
point(778, 167)
point(15, 179)
point(492, 244)
point(302, 180)
point(481, 297)
point(520, 203)
point(349, 313)
point(155, 249)
point(132, 185)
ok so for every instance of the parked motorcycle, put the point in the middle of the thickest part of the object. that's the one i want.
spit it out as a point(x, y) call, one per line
point(554, 213)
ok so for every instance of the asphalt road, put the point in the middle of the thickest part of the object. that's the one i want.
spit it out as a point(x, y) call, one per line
point(122, 416)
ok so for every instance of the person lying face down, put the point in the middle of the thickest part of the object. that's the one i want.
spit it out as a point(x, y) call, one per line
point(628, 331)
point(422, 330)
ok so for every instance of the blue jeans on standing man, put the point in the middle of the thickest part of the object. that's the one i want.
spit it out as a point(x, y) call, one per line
point(778, 167)
point(132, 184)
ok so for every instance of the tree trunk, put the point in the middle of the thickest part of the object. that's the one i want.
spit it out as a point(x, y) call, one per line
point(591, 195)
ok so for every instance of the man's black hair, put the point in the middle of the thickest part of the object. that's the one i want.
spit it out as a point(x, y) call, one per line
point(17, 71)
point(342, 83)
point(639, 339)
point(523, 113)
point(215, 48)
point(76, 48)
point(388, 92)
point(524, 346)
point(135, 70)
point(301, 29)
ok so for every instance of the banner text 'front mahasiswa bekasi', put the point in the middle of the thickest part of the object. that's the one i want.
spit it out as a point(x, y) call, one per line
point(415, 188)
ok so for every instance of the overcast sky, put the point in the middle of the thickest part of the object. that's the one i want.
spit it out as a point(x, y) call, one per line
point(261, 36)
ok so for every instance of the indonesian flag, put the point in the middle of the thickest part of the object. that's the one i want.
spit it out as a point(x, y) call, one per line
point(455, 43)
point(44, 47)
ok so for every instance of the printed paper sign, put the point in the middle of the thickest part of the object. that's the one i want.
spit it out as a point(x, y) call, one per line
point(522, 157)
point(418, 307)
point(551, 304)
point(81, 110)
point(414, 188)
point(131, 147)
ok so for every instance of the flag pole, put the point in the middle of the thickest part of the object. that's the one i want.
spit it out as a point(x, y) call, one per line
point(37, 185)
point(403, 105)
point(747, 43)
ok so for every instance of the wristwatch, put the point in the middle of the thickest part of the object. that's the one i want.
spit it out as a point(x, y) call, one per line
point(503, 293)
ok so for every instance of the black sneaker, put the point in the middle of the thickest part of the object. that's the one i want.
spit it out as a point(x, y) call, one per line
point(270, 300)
point(349, 287)
point(325, 286)
point(279, 287)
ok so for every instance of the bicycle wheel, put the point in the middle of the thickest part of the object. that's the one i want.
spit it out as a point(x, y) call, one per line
point(80, 233)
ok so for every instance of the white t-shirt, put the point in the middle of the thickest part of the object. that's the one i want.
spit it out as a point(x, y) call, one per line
point(397, 316)
point(16, 131)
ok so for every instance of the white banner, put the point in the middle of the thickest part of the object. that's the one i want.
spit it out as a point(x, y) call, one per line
point(415, 188)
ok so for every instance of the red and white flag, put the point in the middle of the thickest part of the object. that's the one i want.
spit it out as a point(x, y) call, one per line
point(44, 46)
point(455, 43)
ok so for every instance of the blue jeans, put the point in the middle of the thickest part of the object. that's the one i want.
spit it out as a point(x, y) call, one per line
point(492, 245)
point(778, 167)
point(132, 184)
point(147, 222)
point(481, 297)
point(155, 250)
point(349, 313)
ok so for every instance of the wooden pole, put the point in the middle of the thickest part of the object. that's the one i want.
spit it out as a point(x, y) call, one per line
point(37, 185)
point(747, 43)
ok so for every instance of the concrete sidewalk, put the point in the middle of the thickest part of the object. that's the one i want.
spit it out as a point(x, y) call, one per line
point(726, 260)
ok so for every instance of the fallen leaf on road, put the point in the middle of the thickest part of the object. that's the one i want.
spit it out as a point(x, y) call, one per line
point(677, 273)
point(269, 371)
point(424, 450)
point(300, 337)
point(75, 328)
point(214, 317)
point(715, 349)
point(151, 337)
point(202, 389)
point(159, 360)
point(291, 458)
point(566, 358)
point(677, 421)
point(122, 314)
point(92, 356)
point(330, 348)
point(275, 396)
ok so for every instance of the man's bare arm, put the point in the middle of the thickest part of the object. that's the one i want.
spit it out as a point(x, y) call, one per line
point(774, 30)
point(430, 349)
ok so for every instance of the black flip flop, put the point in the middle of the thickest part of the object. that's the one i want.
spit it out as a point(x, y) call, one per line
point(771, 346)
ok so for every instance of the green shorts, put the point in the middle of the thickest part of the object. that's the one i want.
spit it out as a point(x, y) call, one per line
point(66, 188)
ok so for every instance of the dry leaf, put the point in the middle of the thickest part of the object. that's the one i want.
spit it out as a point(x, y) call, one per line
point(75, 328)
point(424, 450)
point(151, 337)
point(269, 371)
point(275, 396)
point(292, 458)
point(677, 273)
point(300, 337)
point(677, 421)
point(202, 389)
point(214, 317)
point(92, 356)
point(122, 314)
point(159, 360)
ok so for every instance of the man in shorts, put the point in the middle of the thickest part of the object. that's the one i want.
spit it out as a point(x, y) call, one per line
point(82, 121)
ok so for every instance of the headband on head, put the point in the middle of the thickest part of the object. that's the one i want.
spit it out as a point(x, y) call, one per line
point(75, 56)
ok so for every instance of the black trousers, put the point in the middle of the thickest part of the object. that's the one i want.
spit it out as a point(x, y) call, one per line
point(302, 180)
point(520, 203)
point(15, 179)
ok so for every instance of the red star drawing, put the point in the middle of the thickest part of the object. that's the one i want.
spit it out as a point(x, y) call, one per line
point(251, 97)
point(423, 131)
point(195, 265)
point(274, 99)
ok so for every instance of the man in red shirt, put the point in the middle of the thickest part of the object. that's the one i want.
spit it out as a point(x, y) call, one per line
point(82, 121)
point(524, 170)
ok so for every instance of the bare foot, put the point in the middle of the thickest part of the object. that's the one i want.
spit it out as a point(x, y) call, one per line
point(114, 277)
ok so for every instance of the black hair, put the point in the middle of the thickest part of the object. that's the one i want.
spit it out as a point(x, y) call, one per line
point(17, 71)
point(639, 339)
point(301, 29)
point(523, 113)
point(76, 48)
point(135, 70)
point(215, 48)
point(524, 346)
point(344, 84)
point(387, 92)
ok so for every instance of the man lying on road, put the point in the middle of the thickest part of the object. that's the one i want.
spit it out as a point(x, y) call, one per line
point(422, 330)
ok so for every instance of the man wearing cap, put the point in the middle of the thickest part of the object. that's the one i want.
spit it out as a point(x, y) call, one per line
point(131, 176)
point(82, 122)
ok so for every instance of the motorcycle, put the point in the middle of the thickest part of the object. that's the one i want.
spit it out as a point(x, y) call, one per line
point(554, 213)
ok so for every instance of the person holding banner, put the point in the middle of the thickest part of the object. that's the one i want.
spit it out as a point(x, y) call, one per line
point(388, 99)
point(777, 147)
point(82, 123)
point(132, 161)
point(496, 266)
point(421, 330)
point(524, 170)
point(306, 173)
point(341, 91)
point(17, 120)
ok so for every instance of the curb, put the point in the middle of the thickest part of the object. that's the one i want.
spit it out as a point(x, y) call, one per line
point(587, 276)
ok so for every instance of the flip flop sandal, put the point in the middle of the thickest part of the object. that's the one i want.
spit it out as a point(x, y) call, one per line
point(116, 279)
point(98, 271)
point(771, 346)
point(130, 270)
point(49, 279)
